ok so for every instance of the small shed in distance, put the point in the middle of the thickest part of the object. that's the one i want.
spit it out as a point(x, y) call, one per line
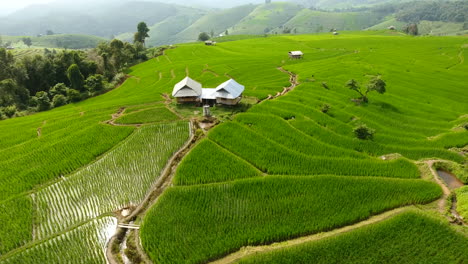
point(296, 54)
point(210, 43)
point(187, 90)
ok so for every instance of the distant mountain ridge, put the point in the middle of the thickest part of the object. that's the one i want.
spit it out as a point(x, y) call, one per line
point(171, 23)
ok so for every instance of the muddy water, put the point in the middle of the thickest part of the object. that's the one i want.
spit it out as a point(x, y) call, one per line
point(451, 181)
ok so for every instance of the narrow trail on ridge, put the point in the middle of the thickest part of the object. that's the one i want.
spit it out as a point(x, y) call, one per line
point(292, 79)
point(252, 250)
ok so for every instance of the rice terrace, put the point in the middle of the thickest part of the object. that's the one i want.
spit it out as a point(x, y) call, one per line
point(331, 157)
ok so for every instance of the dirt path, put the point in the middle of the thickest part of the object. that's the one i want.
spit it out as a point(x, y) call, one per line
point(164, 181)
point(292, 79)
point(251, 250)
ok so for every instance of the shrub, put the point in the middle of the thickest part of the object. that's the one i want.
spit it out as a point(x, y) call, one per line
point(59, 100)
point(363, 132)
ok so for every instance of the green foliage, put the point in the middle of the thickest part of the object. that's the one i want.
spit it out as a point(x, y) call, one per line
point(462, 201)
point(16, 223)
point(153, 115)
point(410, 237)
point(214, 220)
point(142, 33)
point(43, 101)
point(447, 11)
point(203, 36)
point(363, 132)
point(273, 158)
point(120, 178)
point(75, 77)
point(86, 243)
point(209, 163)
point(375, 84)
point(59, 100)
point(27, 42)
point(411, 29)
point(94, 83)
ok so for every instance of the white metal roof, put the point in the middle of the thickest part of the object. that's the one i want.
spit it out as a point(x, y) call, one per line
point(208, 93)
point(296, 53)
point(229, 90)
point(187, 88)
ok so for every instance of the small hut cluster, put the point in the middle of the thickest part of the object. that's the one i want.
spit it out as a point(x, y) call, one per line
point(296, 54)
point(191, 91)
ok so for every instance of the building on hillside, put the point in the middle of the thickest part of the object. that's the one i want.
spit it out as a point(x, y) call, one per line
point(190, 91)
point(335, 33)
point(296, 54)
point(10, 48)
point(210, 43)
point(391, 28)
point(229, 92)
point(187, 90)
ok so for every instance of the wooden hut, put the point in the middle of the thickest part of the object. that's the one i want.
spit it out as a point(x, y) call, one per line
point(296, 54)
point(229, 92)
point(187, 90)
point(210, 43)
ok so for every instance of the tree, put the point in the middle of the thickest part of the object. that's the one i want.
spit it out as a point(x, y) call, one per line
point(375, 84)
point(59, 88)
point(75, 77)
point(411, 29)
point(142, 33)
point(12, 94)
point(203, 36)
point(363, 132)
point(49, 32)
point(73, 95)
point(27, 42)
point(43, 101)
point(226, 33)
point(10, 111)
point(59, 100)
point(94, 83)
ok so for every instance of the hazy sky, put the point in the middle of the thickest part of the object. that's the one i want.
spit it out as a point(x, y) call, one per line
point(8, 6)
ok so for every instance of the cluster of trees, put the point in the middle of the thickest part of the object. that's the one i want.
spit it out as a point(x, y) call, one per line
point(433, 11)
point(40, 82)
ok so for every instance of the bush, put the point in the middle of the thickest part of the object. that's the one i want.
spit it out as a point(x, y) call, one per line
point(59, 100)
point(73, 95)
point(364, 132)
point(10, 111)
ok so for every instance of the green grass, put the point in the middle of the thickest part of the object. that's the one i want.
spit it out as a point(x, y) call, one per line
point(310, 21)
point(119, 179)
point(16, 216)
point(265, 18)
point(201, 223)
point(273, 158)
point(210, 163)
point(462, 201)
point(67, 41)
point(410, 237)
point(85, 244)
point(151, 115)
point(417, 117)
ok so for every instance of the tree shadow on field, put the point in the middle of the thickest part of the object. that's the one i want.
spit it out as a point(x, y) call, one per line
point(387, 107)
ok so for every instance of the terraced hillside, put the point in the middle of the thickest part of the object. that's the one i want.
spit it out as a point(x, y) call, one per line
point(283, 169)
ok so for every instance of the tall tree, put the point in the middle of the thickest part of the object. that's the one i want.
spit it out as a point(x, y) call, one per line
point(75, 77)
point(375, 84)
point(27, 42)
point(142, 33)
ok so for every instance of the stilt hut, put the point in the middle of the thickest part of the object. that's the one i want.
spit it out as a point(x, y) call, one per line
point(187, 90)
point(229, 92)
point(296, 54)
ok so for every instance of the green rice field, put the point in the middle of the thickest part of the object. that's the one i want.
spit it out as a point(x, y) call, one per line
point(281, 169)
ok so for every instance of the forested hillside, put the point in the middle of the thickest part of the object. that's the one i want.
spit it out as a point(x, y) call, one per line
point(170, 23)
